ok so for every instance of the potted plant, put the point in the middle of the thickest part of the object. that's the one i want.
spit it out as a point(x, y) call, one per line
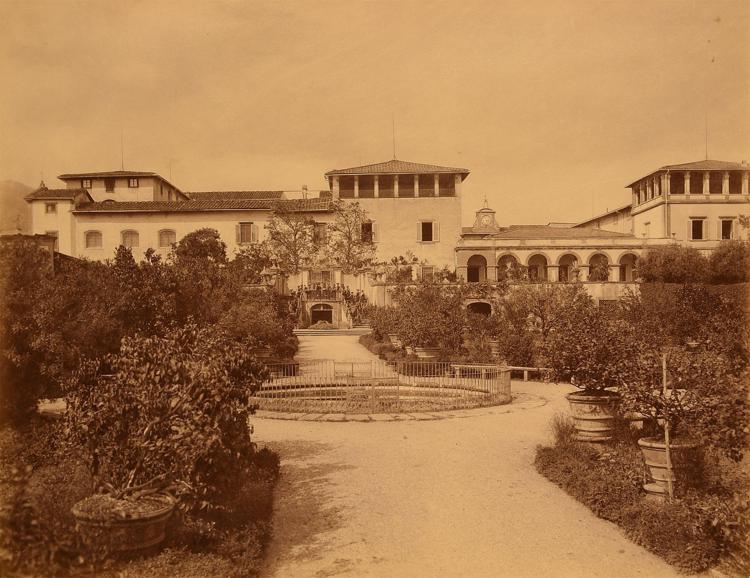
point(161, 424)
point(681, 390)
point(589, 347)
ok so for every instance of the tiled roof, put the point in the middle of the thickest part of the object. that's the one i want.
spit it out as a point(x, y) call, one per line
point(45, 193)
point(107, 174)
point(547, 232)
point(707, 165)
point(397, 167)
point(226, 195)
point(624, 208)
point(299, 205)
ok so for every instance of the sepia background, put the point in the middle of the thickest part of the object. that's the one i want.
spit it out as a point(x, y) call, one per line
point(554, 106)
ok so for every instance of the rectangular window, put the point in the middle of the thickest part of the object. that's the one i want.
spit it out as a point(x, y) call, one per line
point(321, 277)
point(50, 208)
point(133, 183)
point(727, 229)
point(109, 185)
point(426, 232)
point(428, 273)
point(647, 229)
point(130, 239)
point(247, 233)
point(53, 234)
point(167, 237)
point(696, 230)
point(319, 233)
point(93, 240)
point(85, 183)
point(367, 232)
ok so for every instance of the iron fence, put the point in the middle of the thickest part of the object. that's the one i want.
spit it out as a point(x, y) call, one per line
point(329, 386)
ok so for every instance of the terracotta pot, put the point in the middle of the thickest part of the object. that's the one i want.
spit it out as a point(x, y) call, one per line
point(427, 352)
point(593, 414)
point(395, 341)
point(685, 456)
point(121, 531)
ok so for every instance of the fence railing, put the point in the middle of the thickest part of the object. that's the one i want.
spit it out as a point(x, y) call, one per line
point(373, 386)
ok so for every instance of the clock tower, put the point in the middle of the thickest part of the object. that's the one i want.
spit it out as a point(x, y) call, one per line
point(485, 220)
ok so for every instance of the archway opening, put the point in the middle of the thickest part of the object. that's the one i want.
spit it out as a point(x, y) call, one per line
point(508, 268)
point(599, 268)
point(321, 312)
point(628, 264)
point(476, 269)
point(480, 308)
point(538, 268)
point(568, 268)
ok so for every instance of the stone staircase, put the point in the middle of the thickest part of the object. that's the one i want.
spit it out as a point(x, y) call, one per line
point(356, 330)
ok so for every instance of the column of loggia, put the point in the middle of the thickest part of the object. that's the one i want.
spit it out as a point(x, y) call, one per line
point(725, 183)
point(416, 185)
point(745, 181)
point(436, 185)
point(395, 185)
point(356, 186)
point(375, 187)
point(686, 177)
point(706, 183)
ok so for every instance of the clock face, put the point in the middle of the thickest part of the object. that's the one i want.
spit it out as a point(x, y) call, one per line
point(486, 220)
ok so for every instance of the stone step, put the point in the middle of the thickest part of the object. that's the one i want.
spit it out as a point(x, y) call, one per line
point(352, 331)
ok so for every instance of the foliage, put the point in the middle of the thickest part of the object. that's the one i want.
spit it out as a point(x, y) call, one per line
point(259, 319)
point(23, 267)
point(599, 272)
point(203, 245)
point(291, 239)
point(692, 534)
point(250, 262)
point(171, 415)
point(730, 262)
point(399, 269)
point(384, 321)
point(480, 330)
point(430, 315)
point(588, 346)
point(346, 248)
point(673, 264)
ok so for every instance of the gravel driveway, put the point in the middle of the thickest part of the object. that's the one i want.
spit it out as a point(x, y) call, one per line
point(450, 497)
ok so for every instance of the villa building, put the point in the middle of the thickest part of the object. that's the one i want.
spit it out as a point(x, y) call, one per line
point(413, 208)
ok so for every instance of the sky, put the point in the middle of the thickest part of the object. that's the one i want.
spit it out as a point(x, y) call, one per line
point(553, 106)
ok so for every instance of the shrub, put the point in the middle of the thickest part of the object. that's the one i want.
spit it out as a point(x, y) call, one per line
point(588, 346)
point(692, 533)
point(173, 415)
point(23, 268)
point(430, 316)
point(730, 262)
point(673, 264)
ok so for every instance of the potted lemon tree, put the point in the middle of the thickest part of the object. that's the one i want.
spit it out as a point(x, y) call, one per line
point(161, 424)
point(589, 347)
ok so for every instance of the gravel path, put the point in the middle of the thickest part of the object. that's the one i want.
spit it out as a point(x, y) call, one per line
point(451, 497)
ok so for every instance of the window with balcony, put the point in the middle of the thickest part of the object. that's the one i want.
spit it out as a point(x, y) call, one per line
point(93, 239)
point(368, 232)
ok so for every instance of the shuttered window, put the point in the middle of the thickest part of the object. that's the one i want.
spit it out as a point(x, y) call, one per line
point(167, 238)
point(246, 233)
point(428, 231)
point(130, 239)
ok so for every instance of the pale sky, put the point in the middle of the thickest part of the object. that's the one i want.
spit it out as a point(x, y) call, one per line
point(554, 106)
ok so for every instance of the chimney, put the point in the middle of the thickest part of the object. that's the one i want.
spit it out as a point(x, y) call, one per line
point(304, 191)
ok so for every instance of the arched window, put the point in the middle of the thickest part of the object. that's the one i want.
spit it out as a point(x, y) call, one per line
point(599, 268)
point(130, 239)
point(628, 263)
point(567, 268)
point(167, 237)
point(537, 268)
point(321, 312)
point(93, 239)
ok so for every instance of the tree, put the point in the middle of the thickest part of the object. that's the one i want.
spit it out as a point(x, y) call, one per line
point(291, 239)
point(250, 262)
point(203, 244)
point(730, 262)
point(346, 247)
point(673, 264)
